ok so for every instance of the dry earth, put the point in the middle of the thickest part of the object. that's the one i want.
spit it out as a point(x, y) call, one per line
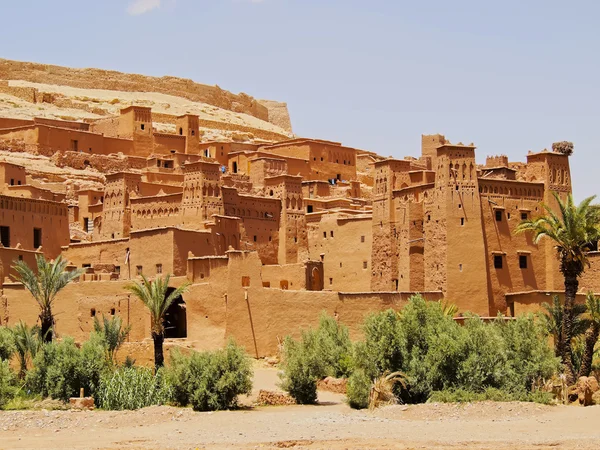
point(330, 425)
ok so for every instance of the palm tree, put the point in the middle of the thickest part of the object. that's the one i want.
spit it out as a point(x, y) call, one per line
point(154, 295)
point(50, 278)
point(113, 334)
point(572, 232)
point(27, 342)
point(592, 333)
point(553, 318)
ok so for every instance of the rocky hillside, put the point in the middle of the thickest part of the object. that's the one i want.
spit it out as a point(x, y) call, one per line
point(265, 110)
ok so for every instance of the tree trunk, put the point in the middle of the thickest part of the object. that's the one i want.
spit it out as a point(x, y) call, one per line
point(591, 337)
point(159, 359)
point(47, 322)
point(571, 286)
point(23, 366)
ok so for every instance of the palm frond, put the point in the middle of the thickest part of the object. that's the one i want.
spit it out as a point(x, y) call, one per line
point(154, 295)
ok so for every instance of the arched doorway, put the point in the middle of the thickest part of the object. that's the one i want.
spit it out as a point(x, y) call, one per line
point(175, 321)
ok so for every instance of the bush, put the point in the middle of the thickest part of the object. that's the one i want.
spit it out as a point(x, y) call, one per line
point(7, 344)
point(438, 355)
point(210, 381)
point(132, 388)
point(489, 394)
point(302, 368)
point(61, 369)
point(326, 351)
point(7, 383)
point(358, 390)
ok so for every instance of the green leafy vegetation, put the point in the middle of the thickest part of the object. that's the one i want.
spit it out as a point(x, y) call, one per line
point(132, 388)
point(61, 369)
point(210, 380)
point(321, 352)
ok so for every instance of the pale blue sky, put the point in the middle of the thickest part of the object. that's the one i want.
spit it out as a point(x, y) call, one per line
point(510, 76)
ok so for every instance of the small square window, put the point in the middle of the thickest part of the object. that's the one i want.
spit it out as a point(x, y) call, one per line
point(524, 216)
point(158, 269)
point(362, 239)
point(331, 233)
point(255, 238)
point(324, 234)
point(497, 261)
point(142, 126)
point(498, 215)
point(139, 270)
point(331, 281)
point(365, 264)
point(462, 221)
point(245, 281)
point(523, 261)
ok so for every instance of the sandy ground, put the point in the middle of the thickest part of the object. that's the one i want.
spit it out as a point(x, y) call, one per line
point(331, 425)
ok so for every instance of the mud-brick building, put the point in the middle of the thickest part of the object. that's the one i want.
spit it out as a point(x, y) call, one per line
point(271, 235)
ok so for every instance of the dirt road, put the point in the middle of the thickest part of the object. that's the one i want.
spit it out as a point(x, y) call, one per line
point(330, 425)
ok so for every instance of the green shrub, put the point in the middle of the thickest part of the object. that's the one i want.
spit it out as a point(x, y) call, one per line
point(528, 354)
point(7, 344)
point(334, 347)
point(358, 389)
point(7, 383)
point(321, 352)
point(384, 345)
point(61, 369)
point(489, 394)
point(438, 355)
point(132, 388)
point(301, 368)
point(210, 381)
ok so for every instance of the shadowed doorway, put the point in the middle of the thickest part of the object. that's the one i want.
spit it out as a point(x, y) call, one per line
point(175, 318)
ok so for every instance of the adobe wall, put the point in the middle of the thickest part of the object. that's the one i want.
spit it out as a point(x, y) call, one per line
point(75, 306)
point(512, 201)
point(7, 122)
point(466, 284)
point(168, 247)
point(11, 175)
point(8, 257)
point(344, 244)
point(259, 317)
point(531, 302)
point(167, 143)
point(288, 276)
point(158, 211)
point(23, 215)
